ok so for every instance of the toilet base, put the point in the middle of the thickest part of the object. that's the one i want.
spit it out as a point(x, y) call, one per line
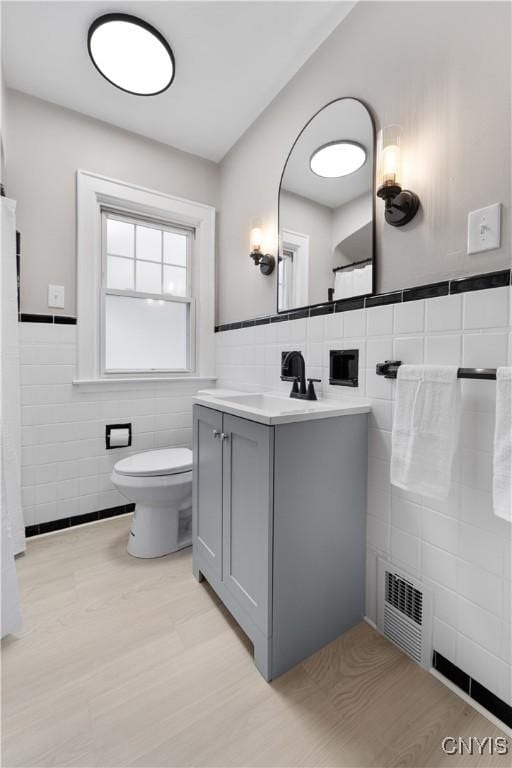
point(162, 519)
point(156, 532)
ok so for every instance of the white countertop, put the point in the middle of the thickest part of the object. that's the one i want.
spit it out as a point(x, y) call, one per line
point(270, 408)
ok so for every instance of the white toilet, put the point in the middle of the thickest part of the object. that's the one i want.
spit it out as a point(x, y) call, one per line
point(160, 484)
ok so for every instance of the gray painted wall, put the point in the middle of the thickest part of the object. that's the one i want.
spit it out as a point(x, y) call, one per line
point(309, 218)
point(46, 144)
point(326, 227)
point(350, 218)
point(442, 71)
point(3, 121)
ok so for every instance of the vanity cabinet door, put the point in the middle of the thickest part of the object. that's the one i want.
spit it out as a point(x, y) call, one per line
point(247, 491)
point(207, 487)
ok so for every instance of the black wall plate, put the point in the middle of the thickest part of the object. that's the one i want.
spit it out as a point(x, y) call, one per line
point(344, 367)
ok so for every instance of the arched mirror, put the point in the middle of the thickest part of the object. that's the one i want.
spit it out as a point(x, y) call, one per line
point(326, 209)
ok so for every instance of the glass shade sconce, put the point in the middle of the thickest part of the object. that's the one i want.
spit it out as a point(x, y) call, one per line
point(265, 261)
point(401, 205)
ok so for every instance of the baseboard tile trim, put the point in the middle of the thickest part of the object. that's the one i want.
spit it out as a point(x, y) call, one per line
point(68, 529)
point(466, 698)
point(473, 688)
point(436, 658)
point(78, 521)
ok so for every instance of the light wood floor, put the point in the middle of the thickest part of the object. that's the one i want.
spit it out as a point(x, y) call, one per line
point(125, 662)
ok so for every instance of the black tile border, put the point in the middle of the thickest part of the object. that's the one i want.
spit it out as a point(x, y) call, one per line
point(491, 703)
point(31, 530)
point(346, 305)
point(480, 282)
point(473, 688)
point(321, 309)
point(394, 297)
point(499, 279)
point(297, 314)
point(431, 291)
point(71, 522)
point(452, 672)
point(24, 317)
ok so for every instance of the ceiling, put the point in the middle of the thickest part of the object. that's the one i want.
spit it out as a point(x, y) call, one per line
point(232, 58)
point(345, 119)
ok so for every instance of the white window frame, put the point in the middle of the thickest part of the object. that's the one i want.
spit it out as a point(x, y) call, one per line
point(96, 192)
point(285, 285)
point(189, 298)
point(298, 242)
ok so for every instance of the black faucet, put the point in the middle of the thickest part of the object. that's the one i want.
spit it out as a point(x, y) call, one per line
point(295, 360)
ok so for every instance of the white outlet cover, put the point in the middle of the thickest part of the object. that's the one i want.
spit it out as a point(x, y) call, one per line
point(56, 296)
point(484, 229)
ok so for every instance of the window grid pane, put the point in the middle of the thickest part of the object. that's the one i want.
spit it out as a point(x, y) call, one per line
point(120, 237)
point(175, 249)
point(148, 277)
point(148, 243)
point(172, 252)
point(175, 280)
point(120, 273)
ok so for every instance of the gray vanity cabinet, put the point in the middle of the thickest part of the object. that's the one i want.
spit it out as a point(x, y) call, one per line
point(279, 528)
point(247, 495)
point(207, 488)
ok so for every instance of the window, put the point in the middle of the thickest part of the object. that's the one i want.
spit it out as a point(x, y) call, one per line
point(293, 270)
point(147, 301)
point(285, 279)
point(145, 283)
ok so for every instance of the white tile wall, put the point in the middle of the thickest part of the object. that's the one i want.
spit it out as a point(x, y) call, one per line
point(459, 548)
point(65, 466)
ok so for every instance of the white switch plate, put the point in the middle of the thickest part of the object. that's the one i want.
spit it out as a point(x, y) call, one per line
point(56, 296)
point(484, 229)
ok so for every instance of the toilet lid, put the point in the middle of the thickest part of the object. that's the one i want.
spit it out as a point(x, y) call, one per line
point(168, 461)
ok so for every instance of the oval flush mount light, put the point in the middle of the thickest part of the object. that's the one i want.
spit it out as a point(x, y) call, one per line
point(131, 54)
point(337, 158)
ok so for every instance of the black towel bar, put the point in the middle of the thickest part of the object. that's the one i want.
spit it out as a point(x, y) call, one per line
point(389, 370)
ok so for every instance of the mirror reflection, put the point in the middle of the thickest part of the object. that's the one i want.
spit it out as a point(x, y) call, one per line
point(326, 209)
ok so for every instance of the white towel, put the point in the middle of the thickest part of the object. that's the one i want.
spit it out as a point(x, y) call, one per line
point(362, 280)
point(344, 284)
point(368, 276)
point(425, 429)
point(502, 479)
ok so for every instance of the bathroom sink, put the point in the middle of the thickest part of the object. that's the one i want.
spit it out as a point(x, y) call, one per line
point(269, 402)
point(270, 408)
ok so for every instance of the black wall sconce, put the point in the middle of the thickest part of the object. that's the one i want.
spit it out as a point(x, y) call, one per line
point(265, 261)
point(401, 204)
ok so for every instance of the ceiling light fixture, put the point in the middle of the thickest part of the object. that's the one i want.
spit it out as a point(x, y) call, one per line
point(131, 54)
point(337, 158)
